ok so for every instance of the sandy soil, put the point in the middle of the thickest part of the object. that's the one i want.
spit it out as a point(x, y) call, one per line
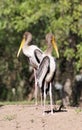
point(28, 117)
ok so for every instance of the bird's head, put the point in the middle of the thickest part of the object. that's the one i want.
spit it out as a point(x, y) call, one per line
point(51, 41)
point(27, 37)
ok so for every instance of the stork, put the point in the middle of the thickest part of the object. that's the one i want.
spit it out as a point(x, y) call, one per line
point(33, 53)
point(47, 69)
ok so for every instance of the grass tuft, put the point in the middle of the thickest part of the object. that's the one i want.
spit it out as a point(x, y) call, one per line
point(10, 117)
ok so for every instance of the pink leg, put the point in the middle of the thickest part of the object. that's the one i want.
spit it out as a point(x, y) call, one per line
point(50, 93)
point(36, 87)
point(44, 98)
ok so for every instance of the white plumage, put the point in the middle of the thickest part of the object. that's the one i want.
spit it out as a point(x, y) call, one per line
point(33, 53)
point(29, 52)
point(47, 69)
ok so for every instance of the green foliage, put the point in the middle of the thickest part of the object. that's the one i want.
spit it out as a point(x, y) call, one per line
point(62, 17)
point(69, 54)
point(10, 117)
point(79, 56)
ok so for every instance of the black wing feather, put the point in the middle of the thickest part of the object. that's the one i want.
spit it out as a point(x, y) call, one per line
point(43, 70)
point(38, 55)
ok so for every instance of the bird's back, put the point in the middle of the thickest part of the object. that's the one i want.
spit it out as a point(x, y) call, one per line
point(34, 54)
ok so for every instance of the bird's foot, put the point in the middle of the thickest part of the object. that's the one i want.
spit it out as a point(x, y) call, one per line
point(52, 112)
point(44, 114)
point(36, 104)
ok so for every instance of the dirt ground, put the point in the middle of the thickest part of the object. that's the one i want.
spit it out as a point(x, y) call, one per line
point(29, 117)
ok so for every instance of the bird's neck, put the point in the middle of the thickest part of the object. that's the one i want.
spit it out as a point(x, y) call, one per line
point(49, 50)
point(29, 39)
point(25, 47)
point(26, 44)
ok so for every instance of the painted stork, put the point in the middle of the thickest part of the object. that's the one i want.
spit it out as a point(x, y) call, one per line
point(33, 53)
point(47, 68)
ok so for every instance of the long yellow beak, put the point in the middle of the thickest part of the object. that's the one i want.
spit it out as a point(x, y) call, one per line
point(55, 46)
point(21, 46)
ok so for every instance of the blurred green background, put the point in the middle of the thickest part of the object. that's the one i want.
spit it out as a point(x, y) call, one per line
point(61, 17)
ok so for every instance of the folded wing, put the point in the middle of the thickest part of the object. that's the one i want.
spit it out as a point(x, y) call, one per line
point(42, 70)
point(38, 55)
